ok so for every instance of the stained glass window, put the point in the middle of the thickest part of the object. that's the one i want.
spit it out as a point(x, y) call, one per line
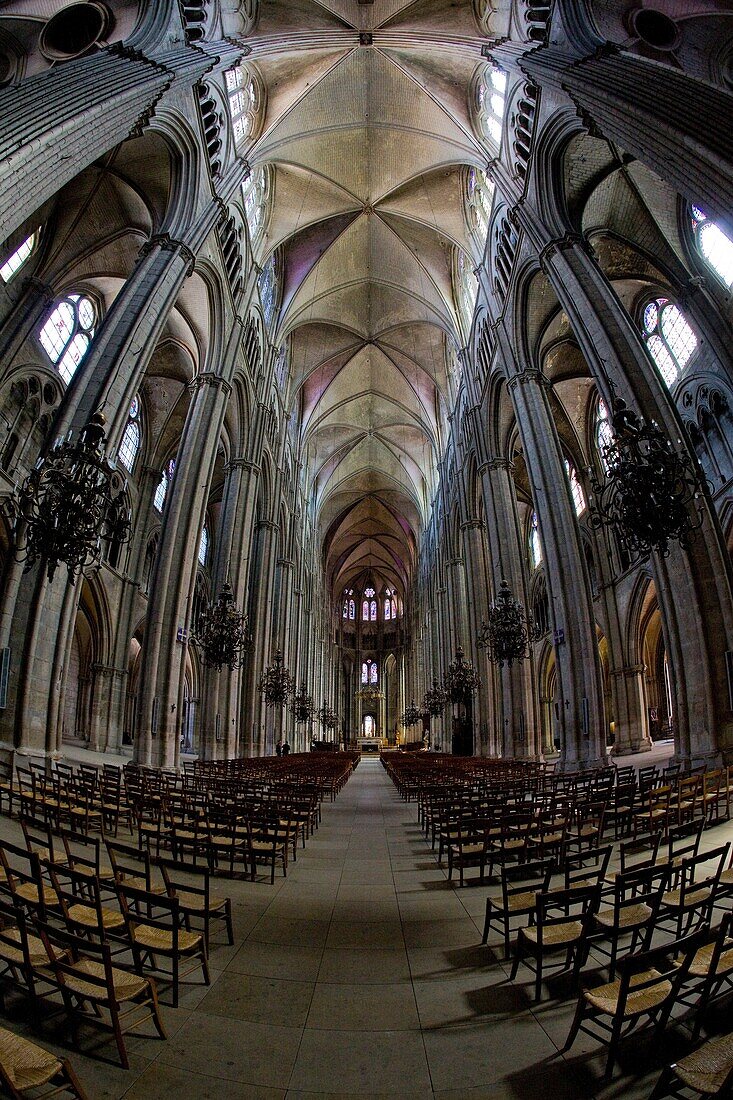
point(491, 103)
point(254, 191)
point(669, 338)
point(480, 194)
point(162, 490)
point(604, 433)
point(67, 333)
point(715, 245)
point(267, 284)
point(243, 103)
point(576, 489)
point(535, 544)
point(466, 291)
point(204, 546)
point(16, 259)
point(131, 438)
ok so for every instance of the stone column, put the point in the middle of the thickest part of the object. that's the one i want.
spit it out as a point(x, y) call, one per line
point(694, 588)
point(516, 714)
point(580, 695)
point(164, 657)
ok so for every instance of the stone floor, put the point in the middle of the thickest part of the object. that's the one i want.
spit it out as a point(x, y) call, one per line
point(362, 974)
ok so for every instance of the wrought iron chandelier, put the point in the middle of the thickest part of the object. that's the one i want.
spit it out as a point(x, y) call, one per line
point(412, 715)
point(72, 499)
point(222, 632)
point(370, 694)
point(328, 717)
point(276, 683)
point(461, 680)
point(650, 493)
point(507, 632)
point(303, 705)
point(435, 700)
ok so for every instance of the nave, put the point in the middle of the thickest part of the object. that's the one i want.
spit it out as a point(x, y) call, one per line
point(362, 973)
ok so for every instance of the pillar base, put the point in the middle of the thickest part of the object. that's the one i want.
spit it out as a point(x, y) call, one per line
point(630, 748)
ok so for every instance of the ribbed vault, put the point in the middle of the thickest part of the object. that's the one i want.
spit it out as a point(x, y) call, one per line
point(368, 136)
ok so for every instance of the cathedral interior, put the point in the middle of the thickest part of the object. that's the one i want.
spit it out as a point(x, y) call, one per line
point(383, 312)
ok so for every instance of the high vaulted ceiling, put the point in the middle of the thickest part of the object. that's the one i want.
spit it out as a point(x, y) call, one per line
point(368, 135)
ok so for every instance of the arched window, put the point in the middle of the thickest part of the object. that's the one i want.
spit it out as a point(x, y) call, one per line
point(669, 338)
point(387, 608)
point(254, 191)
point(204, 546)
point(349, 609)
point(268, 288)
point(16, 259)
point(373, 610)
point(67, 333)
point(535, 545)
point(131, 438)
point(541, 607)
point(162, 491)
point(367, 604)
point(604, 433)
point(480, 194)
point(352, 610)
point(715, 246)
point(466, 290)
point(576, 489)
point(244, 101)
point(369, 672)
point(372, 672)
point(491, 103)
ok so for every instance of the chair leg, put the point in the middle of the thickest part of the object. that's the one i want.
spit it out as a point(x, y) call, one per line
point(157, 1020)
point(485, 935)
point(662, 1087)
point(612, 1047)
point(119, 1037)
point(228, 920)
point(575, 1026)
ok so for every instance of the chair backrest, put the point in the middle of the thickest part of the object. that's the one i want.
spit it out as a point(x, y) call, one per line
point(38, 836)
point(177, 877)
point(640, 886)
point(75, 888)
point(684, 840)
point(554, 907)
point(525, 878)
point(129, 862)
point(23, 877)
point(639, 851)
point(587, 868)
point(65, 949)
point(668, 964)
point(702, 873)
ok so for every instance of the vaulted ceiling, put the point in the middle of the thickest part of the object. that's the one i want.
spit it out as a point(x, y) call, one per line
point(368, 137)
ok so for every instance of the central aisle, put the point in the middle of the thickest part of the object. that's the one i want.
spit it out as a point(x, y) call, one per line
point(362, 973)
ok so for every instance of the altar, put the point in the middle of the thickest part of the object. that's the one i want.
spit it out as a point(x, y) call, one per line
point(370, 744)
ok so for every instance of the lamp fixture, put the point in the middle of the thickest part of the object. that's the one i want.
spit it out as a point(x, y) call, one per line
point(507, 632)
point(435, 700)
point(303, 705)
point(276, 683)
point(222, 632)
point(327, 717)
point(72, 499)
point(651, 489)
point(412, 715)
point(461, 680)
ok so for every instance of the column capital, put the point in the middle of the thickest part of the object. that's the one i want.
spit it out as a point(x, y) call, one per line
point(166, 243)
point(498, 463)
point(267, 524)
point(242, 464)
point(473, 524)
point(209, 378)
point(529, 376)
point(566, 243)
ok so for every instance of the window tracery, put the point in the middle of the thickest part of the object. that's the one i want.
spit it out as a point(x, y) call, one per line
point(535, 544)
point(479, 197)
point(669, 338)
point(255, 194)
point(132, 436)
point(244, 103)
point(162, 491)
point(576, 489)
point(204, 546)
point(12, 265)
point(490, 103)
point(466, 291)
point(67, 333)
point(369, 673)
point(715, 246)
point(348, 610)
point(268, 287)
point(603, 432)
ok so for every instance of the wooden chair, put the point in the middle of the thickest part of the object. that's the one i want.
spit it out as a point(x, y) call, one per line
point(654, 815)
point(711, 969)
point(561, 923)
point(25, 1067)
point(23, 958)
point(269, 843)
point(708, 1071)
point(195, 899)
point(154, 931)
point(520, 885)
point(648, 986)
point(131, 866)
point(587, 868)
point(7, 785)
point(23, 878)
point(587, 829)
point(689, 903)
point(86, 977)
point(637, 897)
point(83, 912)
point(469, 848)
point(620, 808)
